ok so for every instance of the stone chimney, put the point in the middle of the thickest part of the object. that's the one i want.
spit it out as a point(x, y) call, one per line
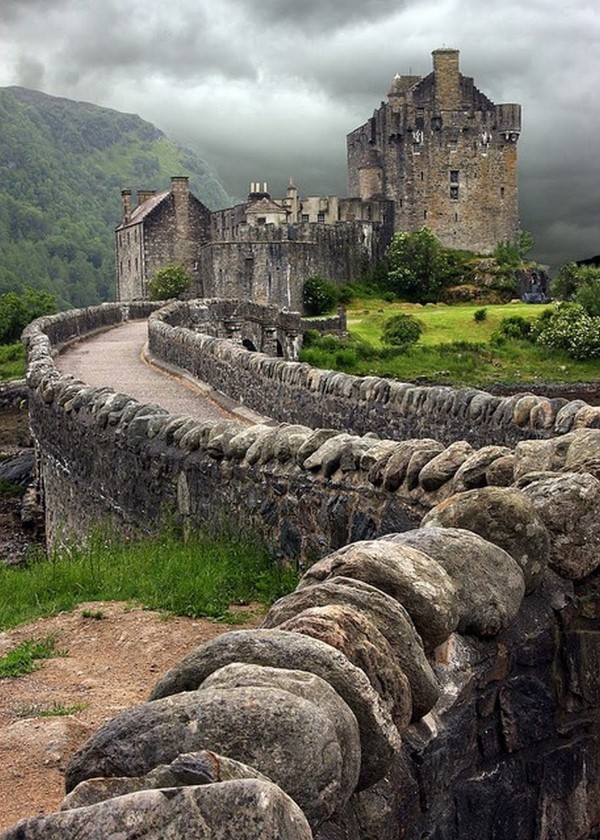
point(180, 190)
point(126, 205)
point(144, 195)
point(448, 96)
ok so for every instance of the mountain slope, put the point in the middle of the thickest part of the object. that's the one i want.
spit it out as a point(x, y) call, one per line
point(62, 166)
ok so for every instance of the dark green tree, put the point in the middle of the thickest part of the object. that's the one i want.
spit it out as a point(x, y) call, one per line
point(416, 266)
point(169, 282)
point(319, 296)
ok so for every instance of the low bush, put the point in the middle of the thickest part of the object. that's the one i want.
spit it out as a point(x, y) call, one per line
point(570, 328)
point(401, 330)
point(513, 327)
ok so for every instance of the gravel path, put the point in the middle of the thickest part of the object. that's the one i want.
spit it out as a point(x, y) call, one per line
point(115, 358)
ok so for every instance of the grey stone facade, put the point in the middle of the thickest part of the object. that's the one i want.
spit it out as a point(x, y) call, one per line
point(445, 154)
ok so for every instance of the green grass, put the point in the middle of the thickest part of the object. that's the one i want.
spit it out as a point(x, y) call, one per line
point(24, 658)
point(454, 348)
point(55, 710)
point(12, 361)
point(203, 576)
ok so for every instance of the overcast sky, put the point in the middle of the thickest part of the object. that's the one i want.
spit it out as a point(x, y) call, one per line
point(268, 89)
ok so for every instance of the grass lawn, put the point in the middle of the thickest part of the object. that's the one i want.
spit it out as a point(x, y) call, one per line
point(202, 576)
point(454, 348)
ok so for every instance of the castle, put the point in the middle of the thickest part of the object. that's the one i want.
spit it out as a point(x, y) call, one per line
point(438, 153)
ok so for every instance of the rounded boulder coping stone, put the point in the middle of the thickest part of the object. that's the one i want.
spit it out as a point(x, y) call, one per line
point(397, 465)
point(583, 454)
point(472, 472)
point(311, 688)
point(284, 649)
point(489, 583)
point(420, 584)
point(200, 768)
point(244, 809)
point(287, 738)
point(389, 617)
point(568, 504)
point(503, 516)
point(441, 468)
point(351, 632)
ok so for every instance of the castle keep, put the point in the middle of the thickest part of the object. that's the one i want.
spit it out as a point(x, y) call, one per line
point(438, 153)
point(445, 155)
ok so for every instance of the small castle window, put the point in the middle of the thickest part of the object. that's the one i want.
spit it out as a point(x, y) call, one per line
point(320, 216)
point(456, 217)
point(422, 176)
point(304, 217)
point(424, 214)
point(454, 192)
point(261, 220)
point(501, 192)
point(454, 176)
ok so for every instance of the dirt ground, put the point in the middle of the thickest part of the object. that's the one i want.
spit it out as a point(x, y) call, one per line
point(109, 663)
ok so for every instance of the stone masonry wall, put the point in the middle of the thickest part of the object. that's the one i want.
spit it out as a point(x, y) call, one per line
point(294, 392)
point(479, 647)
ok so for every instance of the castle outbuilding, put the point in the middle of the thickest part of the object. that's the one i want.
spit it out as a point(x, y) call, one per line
point(445, 154)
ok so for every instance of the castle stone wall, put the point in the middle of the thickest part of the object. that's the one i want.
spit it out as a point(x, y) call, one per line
point(269, 263)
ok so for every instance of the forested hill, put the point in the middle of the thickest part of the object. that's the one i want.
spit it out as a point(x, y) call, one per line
point(62, 166)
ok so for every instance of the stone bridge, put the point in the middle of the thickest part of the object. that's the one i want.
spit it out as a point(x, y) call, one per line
point(436, 674)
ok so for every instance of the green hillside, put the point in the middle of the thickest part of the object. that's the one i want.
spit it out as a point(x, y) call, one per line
point(62, 166)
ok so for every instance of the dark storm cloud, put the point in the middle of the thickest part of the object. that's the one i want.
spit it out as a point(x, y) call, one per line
point(316, 15)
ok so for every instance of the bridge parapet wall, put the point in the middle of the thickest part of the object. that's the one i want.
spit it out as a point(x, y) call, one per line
point(294, 392)
point(511, 746)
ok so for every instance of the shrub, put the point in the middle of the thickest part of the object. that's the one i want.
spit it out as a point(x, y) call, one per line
point(169, 282)
point(401, 330)
point(570, 328)
point(512, 252)
point(588, 295)
point(514, 327)
point(480, 315)
point(319, 296)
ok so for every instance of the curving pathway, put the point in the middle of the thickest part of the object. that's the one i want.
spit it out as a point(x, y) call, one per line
point(116, 358)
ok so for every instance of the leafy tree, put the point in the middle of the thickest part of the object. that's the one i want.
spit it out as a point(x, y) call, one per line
point(579, 283)
point(401, 331)
point(419, 267)
point(319, 296)
point(16, 311)
point(512, 252)
point(169, 282)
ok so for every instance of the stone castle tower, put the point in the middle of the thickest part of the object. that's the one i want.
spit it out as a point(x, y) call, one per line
point(445, 154)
